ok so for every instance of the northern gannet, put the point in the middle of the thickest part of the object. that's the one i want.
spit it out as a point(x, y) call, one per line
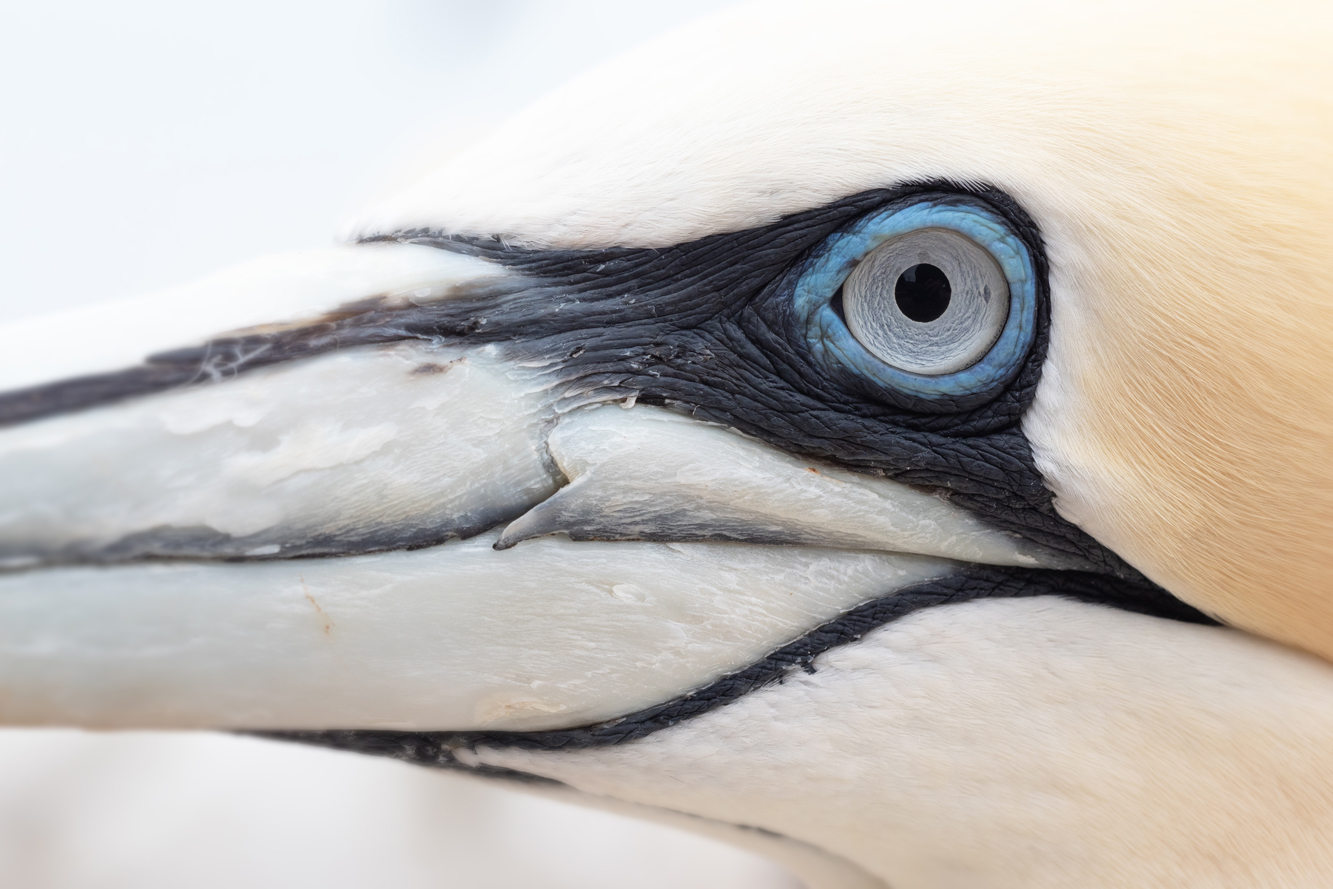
point(892, 439)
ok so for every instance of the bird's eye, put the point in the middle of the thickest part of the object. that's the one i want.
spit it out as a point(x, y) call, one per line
point(938, 301)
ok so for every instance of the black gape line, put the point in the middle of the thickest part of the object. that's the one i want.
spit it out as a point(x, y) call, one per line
point(706, 328)
point(440, 749)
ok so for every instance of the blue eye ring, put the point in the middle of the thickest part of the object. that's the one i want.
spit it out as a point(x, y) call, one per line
point(832, 343)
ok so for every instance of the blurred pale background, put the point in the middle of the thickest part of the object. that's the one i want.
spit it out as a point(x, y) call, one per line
point(143, 144)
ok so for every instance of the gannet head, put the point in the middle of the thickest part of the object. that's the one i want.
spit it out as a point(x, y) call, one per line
point(714, 361)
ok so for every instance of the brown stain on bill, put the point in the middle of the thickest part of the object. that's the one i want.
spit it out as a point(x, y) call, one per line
point(323, 615)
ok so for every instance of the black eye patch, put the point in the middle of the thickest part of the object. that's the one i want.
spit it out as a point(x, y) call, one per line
point(710, 328)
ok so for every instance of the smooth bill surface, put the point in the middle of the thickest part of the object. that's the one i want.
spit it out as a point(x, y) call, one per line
point(650, 474)
point(547, 634)
point(371, 446)
point(350, 451)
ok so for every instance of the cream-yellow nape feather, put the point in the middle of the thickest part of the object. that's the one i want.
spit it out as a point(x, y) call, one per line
point(1178, 158)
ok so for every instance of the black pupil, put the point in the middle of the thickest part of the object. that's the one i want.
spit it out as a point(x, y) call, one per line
point(923, 292)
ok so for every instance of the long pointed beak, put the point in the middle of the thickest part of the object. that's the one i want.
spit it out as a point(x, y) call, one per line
point(416, 535)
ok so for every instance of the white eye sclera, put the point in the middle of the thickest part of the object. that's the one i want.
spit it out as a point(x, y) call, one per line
point(929, 302)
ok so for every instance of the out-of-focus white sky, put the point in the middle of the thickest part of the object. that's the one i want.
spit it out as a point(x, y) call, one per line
point(145, 143)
